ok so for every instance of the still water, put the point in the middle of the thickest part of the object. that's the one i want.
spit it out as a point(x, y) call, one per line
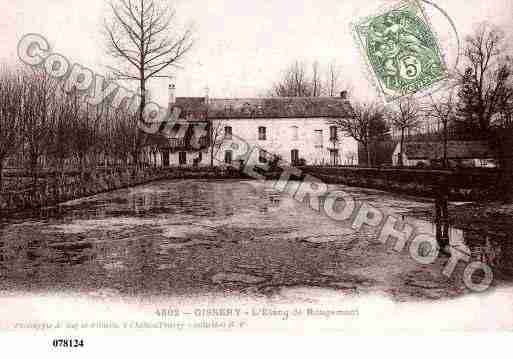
point(203, 237)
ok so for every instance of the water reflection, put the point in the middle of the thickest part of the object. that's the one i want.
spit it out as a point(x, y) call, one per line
point(174, 237)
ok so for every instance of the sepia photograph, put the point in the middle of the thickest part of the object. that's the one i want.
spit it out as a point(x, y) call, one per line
point(192, 167)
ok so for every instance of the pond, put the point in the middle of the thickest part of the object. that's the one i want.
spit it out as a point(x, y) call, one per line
point(193, 237)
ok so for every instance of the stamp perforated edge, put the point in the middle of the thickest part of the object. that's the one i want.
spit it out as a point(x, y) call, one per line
point(370, 73)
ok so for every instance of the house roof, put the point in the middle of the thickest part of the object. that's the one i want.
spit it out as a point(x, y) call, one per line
point(279, 107)
point(157, 140)
point(178, 138)
point(455, 149)
point(196, 108)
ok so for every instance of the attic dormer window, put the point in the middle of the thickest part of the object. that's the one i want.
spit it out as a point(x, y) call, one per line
point(246, 109)
point(262, 133)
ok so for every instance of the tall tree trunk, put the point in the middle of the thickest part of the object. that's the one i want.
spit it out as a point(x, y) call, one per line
point(1, 173)
point(141, 114)
point(367, 150)
point(508, 180)
point(445, 164)
point(33, 168)
point(82, 166)
point(212, 140)
point(61, 169)
point(401, 162)
point(367, 146)
point(506, 143)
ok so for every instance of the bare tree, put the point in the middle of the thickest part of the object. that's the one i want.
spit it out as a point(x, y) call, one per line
point(316, 80)
point(140, 35)
point(39, 114)
point(366, 126)
point(444, 111)
point(63, 134)
point(218, 136)
point(484, 79)
point(87, 121)
point(122, 136)
point(405, 118)
point(297, 81)
point(334, 82)
point(333, 79)
point(502, 138)
point(294, 82)
point(11, 90)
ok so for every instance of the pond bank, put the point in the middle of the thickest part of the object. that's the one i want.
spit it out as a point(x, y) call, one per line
point(465, 186)
point(462, 184)
point(58, 190)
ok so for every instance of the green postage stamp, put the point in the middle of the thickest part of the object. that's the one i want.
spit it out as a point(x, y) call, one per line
point(401, 50)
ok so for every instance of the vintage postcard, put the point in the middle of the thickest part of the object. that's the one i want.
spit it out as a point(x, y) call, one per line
point(188, 168)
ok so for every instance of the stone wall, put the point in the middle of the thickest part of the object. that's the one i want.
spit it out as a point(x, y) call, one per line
point(464, 185)
point(57, 191)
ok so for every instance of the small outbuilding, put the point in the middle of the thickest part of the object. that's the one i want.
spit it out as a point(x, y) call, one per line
point(462, 153)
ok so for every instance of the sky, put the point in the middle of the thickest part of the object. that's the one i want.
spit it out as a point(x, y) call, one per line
point(241, 46)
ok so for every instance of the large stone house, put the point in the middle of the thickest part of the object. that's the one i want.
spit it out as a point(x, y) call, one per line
point(464, 153)
point(298, 130)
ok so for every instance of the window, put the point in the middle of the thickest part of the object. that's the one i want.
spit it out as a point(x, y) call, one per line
point(228, 108)
point(333, 133)
point(262, 133)
point(295, 133)
point(262, 156)
point(247, 109)
point(182, 158)
point(165, 158)
point(228, 157)
point(334, 157)
point(228, 133)
point(294, 157)
point(318, 138)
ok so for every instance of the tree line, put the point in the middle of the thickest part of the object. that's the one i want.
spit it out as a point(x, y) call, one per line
point(303, 80)
point(43, 126)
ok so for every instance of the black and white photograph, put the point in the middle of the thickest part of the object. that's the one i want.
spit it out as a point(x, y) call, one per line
point(192, 167)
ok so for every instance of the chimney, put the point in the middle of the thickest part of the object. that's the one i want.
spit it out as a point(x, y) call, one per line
point(207, 94)
point(343, 95)
point(172, 95)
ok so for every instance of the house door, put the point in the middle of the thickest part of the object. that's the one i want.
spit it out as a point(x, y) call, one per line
point(228, 157)
point(182, 158)
point(165, 158)
point(294, 157)
point(334, 157)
